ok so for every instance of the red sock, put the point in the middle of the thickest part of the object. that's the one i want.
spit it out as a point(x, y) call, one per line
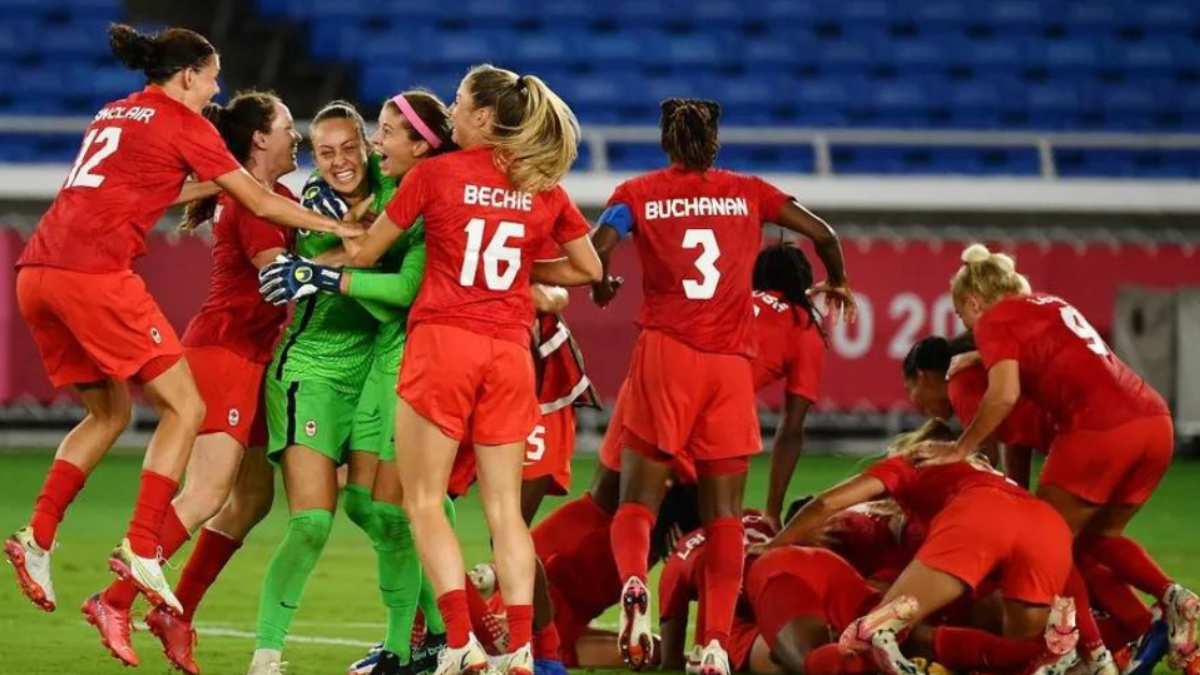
point(827, 660)
point(568, 526)
point(453, 606)
point(722, 559)
point(120, 593)
point(630, 535)
point(1129, 560)
point(974, 649)
point(63, 482)
point(213, 551)
point(1090, 638)
point(153, 502)
point(520, 626)
point(1118, 599)
point(482, 620)
point(546, 643)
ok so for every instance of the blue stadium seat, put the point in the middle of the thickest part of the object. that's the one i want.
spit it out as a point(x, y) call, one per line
point(635, 157)
point(767, 158)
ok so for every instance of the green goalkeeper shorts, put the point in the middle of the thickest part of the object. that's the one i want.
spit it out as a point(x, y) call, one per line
point(311, 414)
point(375, 417)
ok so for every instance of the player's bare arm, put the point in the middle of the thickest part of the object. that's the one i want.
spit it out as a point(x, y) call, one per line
point(836, 288)
point(267, 205)
point(785, 453)
point(809, 519)
point(580, 268)
point(368, 249)
point(193, 190)
point(1004, 388)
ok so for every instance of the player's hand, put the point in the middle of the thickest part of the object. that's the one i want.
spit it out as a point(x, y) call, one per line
point(604, 292)
point(291, 278)
point(961, 362)
point(936, 452)
point(839, 301)
point(349, 230)
point(362, 212)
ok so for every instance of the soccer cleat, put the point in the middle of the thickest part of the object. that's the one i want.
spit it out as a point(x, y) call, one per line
point(1099, 662)
point(1148, 650)
point(178, 639)
point(425, 656)
point(549, 667)
point(895, 616)
point(635, 639)
point(714, 660)
point(32, 565)
point(364, 665)
point(113, 625)
point(267, 662)
point(519, 662)
point(388, 663)
point(469, 658)
point(885, 650)
point(1061, 634)
point(146, 574)
point(691, 665)
point(1183, 609)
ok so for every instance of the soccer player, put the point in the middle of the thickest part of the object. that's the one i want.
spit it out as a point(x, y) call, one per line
point(413, 126)
point(1114, 436)
point(487, 209)
point(228, 344)
point(690, 390)
point(1029, 550)
point(95, 324)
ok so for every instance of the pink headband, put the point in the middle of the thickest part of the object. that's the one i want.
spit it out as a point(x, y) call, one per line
point(414, 119)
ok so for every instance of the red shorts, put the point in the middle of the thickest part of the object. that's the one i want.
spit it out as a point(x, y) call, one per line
point(1029, 546)
point(614, 437)
point(93, 327)
point(794, 581)
point(1121, 466)
point(469, 384)
point(548, 451)
point(689, 403)
point(232, 388)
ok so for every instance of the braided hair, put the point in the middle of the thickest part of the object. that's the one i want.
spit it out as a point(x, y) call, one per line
point(784, 269)
point(689, 132)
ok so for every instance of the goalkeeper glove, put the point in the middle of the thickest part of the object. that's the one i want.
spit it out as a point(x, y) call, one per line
point(291, 277)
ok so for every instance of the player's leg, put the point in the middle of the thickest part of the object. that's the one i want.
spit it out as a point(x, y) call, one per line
point(722, 486)
point(794, 641)
point(28, 550)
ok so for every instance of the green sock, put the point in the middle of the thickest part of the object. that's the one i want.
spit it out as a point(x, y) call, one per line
point(288, 572)
point(356, 502)
point(399, 577)
point(428, 600)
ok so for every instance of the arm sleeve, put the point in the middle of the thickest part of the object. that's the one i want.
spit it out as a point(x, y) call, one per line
point(996, 340)
point(203, 149)
point(770, 199)
point(896, 473)
point(411, 199)
point(807, 364)
point(570, 224)
point(395, 289)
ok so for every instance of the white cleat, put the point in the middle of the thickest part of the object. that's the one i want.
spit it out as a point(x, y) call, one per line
point(146, 574)
point(519, 662)
point(1099, 662)
point(885, 650)
point(470, 659)
point(895, 617)
point(714, 660)
point(692, 664)
point(267, 662)
point(635, 640)
point(1183, 609)
point(1061, 638)
point(32, 565)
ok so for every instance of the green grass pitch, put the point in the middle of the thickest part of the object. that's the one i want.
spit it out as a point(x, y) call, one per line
point(341, 612)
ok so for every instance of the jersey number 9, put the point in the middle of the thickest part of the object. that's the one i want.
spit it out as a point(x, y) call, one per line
point(497, 251)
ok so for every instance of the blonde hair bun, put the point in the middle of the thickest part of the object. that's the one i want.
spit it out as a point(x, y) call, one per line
point(976, 253)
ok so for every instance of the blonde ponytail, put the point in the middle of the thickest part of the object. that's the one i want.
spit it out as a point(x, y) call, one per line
point(988, 275)
point(535, 136)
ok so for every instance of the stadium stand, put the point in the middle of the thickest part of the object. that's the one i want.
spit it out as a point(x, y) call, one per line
point(1052, 66)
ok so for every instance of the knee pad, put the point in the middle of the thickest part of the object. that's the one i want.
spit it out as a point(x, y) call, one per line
point(356, 502)
point(311, 527)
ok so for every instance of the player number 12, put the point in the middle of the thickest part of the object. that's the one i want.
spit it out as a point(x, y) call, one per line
point(108, 139)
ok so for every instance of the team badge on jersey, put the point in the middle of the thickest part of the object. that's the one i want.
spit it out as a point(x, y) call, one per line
point(156, 336)
point(310, 428)
point(234, 416)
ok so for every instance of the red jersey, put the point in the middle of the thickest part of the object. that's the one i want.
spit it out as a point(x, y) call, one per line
point(1026, 425)
point(234, 315)
point(1066, 369)
point(680, 582)
point(790, 346)
point(925, 491)
point(871, 542)
point(482, 235)
point(135, 156)
point(697, 238)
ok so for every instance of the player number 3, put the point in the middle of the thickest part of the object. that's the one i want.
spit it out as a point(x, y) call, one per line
point(497, 251)
point(706, 241)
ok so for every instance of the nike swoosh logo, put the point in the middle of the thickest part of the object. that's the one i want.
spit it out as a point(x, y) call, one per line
point(462, 664)
point(287, 606)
